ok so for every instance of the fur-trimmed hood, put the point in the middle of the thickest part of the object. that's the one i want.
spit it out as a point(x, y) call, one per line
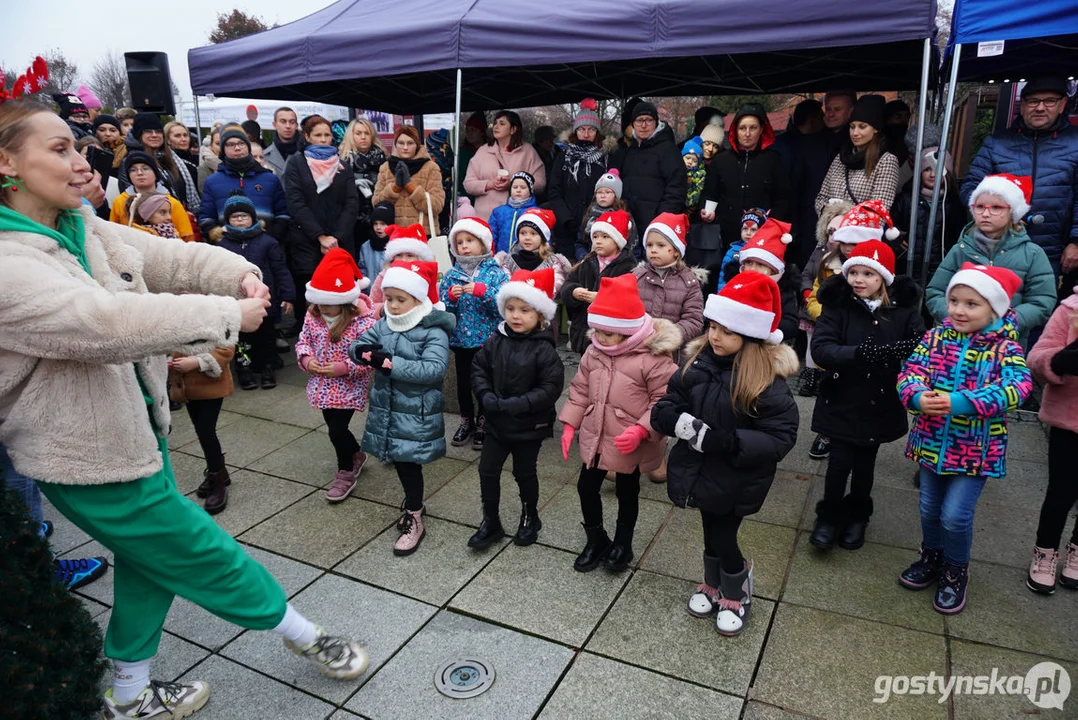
point(783, 357)
point(903, 292)
point(665, 340)
point(830, 211)
point(610, 142)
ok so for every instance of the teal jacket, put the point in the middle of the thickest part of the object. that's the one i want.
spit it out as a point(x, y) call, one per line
point(1035, 299)
point(404, 422)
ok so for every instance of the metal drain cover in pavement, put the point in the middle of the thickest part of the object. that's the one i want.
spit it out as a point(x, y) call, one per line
point(464, 678)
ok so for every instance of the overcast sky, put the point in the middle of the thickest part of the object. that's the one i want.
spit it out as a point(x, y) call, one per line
point(86, 30)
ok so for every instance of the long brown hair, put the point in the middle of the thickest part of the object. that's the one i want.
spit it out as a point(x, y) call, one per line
point(753, 371)
point(516, 139)
point(872, 153)
point(348, 312)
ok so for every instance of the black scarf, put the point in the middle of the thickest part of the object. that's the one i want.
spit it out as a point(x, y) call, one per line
point(243, 235)
point(575, 155)
point(245, 166)
point(378, 244)
point(527, 259)
point(365, 165)
point(413, 164)
point(851, 157)
point(286, 148)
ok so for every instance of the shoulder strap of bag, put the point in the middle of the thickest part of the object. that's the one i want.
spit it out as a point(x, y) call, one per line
point(850, 189)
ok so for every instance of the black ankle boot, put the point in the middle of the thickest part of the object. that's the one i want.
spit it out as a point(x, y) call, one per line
point(530, 525)
point(207, 481)
point(828, 522)
point(246, 377)
point(269, 379)
point(621, 550)
point(490, 531)
point(595, 549)
point(217, 500)
point(858, 511)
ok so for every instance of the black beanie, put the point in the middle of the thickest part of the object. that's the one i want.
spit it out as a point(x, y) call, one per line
point(385, 212)
point(645, 108)
point(70, 104)
point(233, 132)
point(135, 157)
point(144, 122)
point(869, 109)
point(106, 120)
point(253, 129)
point(1047, 83)
point(239, 202)
point(627, 112)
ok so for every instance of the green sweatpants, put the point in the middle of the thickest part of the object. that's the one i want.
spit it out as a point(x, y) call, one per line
point(164, 546)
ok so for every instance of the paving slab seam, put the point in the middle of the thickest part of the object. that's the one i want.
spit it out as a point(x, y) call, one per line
point(767, 636)
point(978, 643)
point(833, 611)
point(791, 711)
point(670, 676)
point(654, 538)
point(947, 668)
point(557, 683)
point(504, 626)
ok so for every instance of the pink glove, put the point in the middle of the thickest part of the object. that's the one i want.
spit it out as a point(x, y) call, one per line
point(567, 433)
point(479, 289)
point(340, 369)
point(630, 440)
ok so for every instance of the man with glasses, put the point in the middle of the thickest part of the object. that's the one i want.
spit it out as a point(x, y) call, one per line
point(1041, 144)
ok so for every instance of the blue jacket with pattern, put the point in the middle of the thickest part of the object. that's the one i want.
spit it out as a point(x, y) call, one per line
point(477, 317)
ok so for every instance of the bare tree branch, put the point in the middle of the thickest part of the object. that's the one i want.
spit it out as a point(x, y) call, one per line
point(109, 81)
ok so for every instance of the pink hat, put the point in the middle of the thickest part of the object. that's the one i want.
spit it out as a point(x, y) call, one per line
point(750, 305)
point(672, 227)
point(337, 280)
point(617, 307)
point(995, 284)
point(768, 246)
point(411, 239)
point(88, 98)
point(535, 288)
point(876, 255)
point(616, 224)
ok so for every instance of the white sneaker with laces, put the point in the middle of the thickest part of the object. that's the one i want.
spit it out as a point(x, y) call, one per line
point(161, 700)
point(335, 657)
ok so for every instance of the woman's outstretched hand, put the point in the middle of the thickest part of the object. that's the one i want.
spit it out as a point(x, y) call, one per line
point(253, 287)
point(252, 311)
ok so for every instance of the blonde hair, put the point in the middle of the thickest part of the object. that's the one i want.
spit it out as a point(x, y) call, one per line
point(350, 313)
point(348, 145)
point(753, 371)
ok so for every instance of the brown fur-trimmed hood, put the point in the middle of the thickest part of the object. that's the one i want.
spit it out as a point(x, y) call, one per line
point(783, 356)
point(830, 211)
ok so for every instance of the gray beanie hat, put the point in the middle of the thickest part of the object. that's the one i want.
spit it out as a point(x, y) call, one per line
point(611, 179)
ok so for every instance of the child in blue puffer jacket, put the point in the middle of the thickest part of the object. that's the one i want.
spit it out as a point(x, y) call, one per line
point(469, 290)
point(409, 351)
point(503, 219)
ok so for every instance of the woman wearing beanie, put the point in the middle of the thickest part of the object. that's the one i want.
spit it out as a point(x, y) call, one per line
point(147, 134)
point(750, 174)
point(107, 131)
point(493, 165)
point(408, 178)
point(863, 169)
point(576, 168)
point(238, 172)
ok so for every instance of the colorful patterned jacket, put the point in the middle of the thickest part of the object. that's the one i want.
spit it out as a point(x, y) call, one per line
point(989, 371)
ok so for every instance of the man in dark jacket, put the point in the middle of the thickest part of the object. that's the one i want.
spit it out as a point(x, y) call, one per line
point(651, 169)
point(1043, 145)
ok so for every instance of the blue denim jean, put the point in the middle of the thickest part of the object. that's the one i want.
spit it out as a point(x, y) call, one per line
point(24, 487)
point(947, 505)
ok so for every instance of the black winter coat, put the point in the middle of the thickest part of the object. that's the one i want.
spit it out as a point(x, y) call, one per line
point(718, 482)
point(569, 192)
point(653, 175)
point(330, 212)
point(517, 380)
point(858, 402)
point(264, 251)
point(739, 180)
point(586, 275)
point(950, 220)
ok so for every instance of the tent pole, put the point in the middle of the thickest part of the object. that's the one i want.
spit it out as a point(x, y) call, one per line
point(948, 112)
point(456, 145)
point(198, 122)
point(922, 116)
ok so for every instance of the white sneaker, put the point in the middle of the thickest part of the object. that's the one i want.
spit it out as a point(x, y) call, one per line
point(334, 657)
point(161, 700)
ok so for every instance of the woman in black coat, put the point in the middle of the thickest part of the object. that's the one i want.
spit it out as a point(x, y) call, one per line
point(570, 186)
point(323, 203)
point(860, 352)
point(747, 174)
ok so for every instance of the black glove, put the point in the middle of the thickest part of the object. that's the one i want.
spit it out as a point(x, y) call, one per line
point(490, 402)
point(1065, 362)
point(868, 352)
point(356, 352)
point(722, 441)
point(378, 358)
point(401, 176)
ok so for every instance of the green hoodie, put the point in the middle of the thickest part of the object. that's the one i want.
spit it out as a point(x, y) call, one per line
point(70, 234)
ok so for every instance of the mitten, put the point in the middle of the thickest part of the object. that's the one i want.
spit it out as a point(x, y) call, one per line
point(567, 433)
point(630, 440)
point(378, 361)
point(1065, 362)
point(479, 289)
point(684, 429)
point(868, 352)
point(401, 176)
point(357, 349)
point(490, 402)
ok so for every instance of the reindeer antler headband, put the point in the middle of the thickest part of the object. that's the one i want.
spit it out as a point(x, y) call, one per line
point(33, 80)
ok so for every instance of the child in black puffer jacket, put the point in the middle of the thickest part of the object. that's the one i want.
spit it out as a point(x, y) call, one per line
point(517, 377)
point(243, 235)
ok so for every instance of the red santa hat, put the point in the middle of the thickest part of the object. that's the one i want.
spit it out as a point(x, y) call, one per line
point(672, 227)
point(768, 246)
point(535, 288)
point(865, 221)
point(1016, 191)
point(995, 284)
point(750, 305)
point(417, 278)
point(876, 255)
point(539, 218)
point(616, 224)
point(617, 307)
point(473, 226)
point(336, 281)
point(411, 239)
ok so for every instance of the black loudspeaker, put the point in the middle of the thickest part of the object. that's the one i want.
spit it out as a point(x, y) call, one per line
point(151, 84)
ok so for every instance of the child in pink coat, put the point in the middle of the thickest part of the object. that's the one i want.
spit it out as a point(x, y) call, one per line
point(623, 373)
point(336, 316)
point(1054, 361)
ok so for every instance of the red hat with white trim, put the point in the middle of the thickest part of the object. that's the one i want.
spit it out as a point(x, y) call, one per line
point(473, 226)
point(535, 288)
point(411, 239)
point(768, 246)
point(875, 255)
point(672, 227)
point(750, 305)
point(617, 307)
point(865, 221)
point(539, 218)
point(616, 224)
point(995, 284)
point(417, 278)
point(336, 281)
point(1016, 191)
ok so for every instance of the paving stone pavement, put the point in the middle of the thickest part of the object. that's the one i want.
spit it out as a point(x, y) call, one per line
point(570, 645)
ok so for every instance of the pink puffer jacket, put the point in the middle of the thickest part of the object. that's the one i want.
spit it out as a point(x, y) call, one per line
point(611, 393)
point(1059, 406)
point(486, 163)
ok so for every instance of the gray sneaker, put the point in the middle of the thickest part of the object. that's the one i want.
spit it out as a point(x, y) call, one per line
point(334, 657)
point(162, 700)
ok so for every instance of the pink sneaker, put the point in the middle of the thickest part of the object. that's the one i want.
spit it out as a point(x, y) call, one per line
point(346, 480)
point(1069, 577)
point(410, 526)
point(1042, 571)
